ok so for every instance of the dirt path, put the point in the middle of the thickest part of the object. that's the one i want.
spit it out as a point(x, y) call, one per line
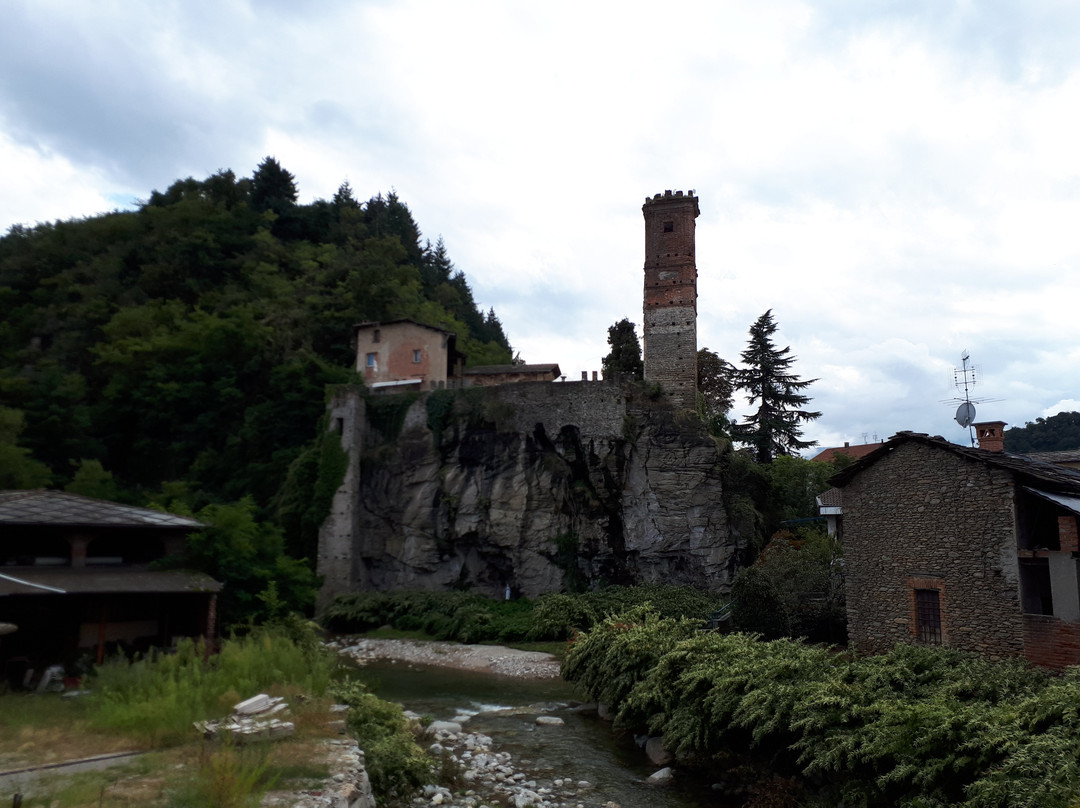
point(494, 659)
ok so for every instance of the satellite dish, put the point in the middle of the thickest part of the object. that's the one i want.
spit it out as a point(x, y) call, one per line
point(965, 414)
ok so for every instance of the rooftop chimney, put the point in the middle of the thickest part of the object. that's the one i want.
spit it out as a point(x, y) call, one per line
point(991, 435)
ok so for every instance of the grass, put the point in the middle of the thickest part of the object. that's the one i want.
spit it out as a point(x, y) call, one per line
point(190, 775)
point(150, 704)
point(44, 728)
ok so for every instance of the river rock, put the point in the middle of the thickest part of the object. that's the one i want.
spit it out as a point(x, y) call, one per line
point(657, 752)
point(605, 712)
point(452, 727)
point(549, 721)
point(662, 777)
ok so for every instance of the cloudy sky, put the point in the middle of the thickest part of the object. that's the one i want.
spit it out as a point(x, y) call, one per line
point(897, 181)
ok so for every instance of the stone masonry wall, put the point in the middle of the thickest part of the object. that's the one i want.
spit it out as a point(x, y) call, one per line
point(923, 517)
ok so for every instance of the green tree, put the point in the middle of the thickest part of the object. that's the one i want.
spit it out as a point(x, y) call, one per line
point(247, 555)
point(92, 480)
point(272, 187)
point(716, 388)
point(625, 356)
point(1057, 433)
point(774, 429)
point(17, 468)
point(794, 484)
point(795, 589)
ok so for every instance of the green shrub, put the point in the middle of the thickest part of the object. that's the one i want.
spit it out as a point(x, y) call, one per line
point(466, 617)
point(918, 726)
point(609, 661)
point(228, 777)
point(158, 697)
point(395, 763)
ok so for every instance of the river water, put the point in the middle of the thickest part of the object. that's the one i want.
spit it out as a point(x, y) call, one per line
point(505, 708)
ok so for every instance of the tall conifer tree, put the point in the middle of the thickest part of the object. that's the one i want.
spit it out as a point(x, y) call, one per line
point(767, 378)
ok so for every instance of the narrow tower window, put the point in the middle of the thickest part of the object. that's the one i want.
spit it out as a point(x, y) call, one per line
point(669, 227)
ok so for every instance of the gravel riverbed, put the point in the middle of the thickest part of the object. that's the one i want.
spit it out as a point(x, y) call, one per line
point(495, 659)
point(488, 778)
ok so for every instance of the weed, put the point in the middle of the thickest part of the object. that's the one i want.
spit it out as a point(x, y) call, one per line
point(228, 776)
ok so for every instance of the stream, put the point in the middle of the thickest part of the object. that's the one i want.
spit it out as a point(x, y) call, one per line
point(505, 708)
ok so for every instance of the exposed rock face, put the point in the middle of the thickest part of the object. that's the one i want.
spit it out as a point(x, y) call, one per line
point(533, 486)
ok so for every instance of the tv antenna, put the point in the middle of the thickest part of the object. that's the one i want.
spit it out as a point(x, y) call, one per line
point(965, 378)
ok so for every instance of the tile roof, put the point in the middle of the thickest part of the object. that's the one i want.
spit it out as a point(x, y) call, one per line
point(833, 498)
point(44, 507)
point(90, 580)
point(383, 323)
point(854, 452)
point(1064, 456)
point(1039, 473)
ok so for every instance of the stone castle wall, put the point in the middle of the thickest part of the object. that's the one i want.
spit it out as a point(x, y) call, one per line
point(925, 518)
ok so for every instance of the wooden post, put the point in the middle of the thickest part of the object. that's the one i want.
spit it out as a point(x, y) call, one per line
point(101, 635)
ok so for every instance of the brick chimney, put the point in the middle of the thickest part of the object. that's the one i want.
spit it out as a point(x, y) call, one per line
point(991, 435)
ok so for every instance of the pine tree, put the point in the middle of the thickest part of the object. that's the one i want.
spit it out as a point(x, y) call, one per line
point(625, 356)
point(272, 187)
point(775, 428)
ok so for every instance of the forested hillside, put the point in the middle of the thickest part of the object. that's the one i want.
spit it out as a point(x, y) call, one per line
point(184, 348)
point(1057, 433)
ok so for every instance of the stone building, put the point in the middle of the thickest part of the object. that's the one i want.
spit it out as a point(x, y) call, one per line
point(670, 307)
point(970, 548)
point(404, 354)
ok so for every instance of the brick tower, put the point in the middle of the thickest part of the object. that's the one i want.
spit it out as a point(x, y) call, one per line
point(671, 295)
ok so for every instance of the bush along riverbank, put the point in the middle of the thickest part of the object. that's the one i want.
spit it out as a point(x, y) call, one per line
point(470, 618)
point(919, 727)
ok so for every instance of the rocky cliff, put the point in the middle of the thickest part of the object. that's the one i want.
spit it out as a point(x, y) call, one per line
point(541, 487)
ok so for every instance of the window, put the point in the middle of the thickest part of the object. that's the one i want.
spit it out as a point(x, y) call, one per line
point(377, 337)
point(669, 227)
point(1035, 591)
point(928, 616)
point(416, 356)
point(373, 361)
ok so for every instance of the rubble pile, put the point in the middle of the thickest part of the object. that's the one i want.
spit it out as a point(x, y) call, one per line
point(255, 719)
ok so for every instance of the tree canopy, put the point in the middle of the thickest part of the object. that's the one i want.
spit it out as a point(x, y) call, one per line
point(185, 346)
point(625, 355)
point(716, 379)
point(775, 427)
point(1054, 434)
